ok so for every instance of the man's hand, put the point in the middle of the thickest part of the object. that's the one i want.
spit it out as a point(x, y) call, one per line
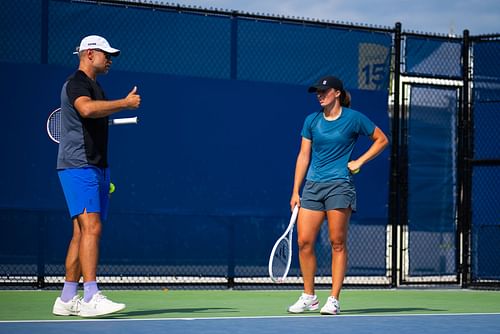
point(133, 100)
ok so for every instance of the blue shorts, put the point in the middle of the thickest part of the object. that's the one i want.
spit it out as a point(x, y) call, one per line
point(326, 196)
point(86, 188)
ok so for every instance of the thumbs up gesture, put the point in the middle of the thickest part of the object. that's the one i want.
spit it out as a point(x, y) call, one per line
point(133, 99)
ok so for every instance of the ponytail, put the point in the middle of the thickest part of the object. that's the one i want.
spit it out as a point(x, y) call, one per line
point(345, 99)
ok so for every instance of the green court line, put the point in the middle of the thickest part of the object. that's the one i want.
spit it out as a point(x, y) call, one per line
point(143, 304)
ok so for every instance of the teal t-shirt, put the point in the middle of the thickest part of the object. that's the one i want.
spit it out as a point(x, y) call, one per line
point(333, 143)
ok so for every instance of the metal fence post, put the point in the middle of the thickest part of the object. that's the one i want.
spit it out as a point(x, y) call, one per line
point(394, 181)
point(234, 46)
point(44, 48)
point(42, 235)
point(465, 165)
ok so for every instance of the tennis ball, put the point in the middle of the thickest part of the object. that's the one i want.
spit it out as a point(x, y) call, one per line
point(356, 171)
point(111, 188)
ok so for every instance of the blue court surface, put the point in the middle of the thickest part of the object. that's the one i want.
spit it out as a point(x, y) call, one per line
point(448, 323)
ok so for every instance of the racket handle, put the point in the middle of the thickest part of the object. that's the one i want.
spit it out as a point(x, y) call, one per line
point(120, 121)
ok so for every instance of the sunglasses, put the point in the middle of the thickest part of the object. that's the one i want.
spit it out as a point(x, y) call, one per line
point(107, 55)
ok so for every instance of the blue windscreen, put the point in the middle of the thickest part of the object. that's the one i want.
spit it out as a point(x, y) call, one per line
point(204, 180)
point(433, 57)
point(432, 124)
point(208, 157)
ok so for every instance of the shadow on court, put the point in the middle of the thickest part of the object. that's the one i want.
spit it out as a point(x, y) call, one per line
point(139, 313)
point(391, 310)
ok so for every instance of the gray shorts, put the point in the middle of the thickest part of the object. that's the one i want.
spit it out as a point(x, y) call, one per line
point(325, 196)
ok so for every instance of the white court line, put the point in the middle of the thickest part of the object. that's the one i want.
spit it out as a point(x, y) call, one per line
point(258, 317)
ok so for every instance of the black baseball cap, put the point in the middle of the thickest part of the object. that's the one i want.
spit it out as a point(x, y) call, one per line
point(325, 83)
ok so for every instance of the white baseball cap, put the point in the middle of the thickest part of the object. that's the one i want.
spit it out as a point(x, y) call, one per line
point(96, 42)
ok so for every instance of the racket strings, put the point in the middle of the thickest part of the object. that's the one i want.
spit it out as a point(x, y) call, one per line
point(54, 125)
point(280, 259)
point(281, 255)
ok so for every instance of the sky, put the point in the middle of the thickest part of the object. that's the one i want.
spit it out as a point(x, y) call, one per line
point(427, 16)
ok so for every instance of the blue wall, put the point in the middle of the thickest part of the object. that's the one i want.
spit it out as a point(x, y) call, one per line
point(209, 166)
point(203, 182)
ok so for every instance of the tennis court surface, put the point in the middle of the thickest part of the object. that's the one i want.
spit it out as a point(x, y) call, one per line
point(231, 311)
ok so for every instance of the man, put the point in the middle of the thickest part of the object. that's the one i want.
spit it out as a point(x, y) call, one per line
point(84, 174)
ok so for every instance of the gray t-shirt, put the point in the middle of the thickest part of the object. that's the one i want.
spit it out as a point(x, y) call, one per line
point(84, 141)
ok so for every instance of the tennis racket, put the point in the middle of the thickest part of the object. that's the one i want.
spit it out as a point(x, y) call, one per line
point(54, 124)
point(281, 255)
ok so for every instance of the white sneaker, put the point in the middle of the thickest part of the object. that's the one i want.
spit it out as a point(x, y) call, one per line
point(305, 303)
point(71, 307)
point(99, 305)
point(331, 307)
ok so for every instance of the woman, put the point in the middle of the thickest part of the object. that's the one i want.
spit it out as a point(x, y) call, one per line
point(328, 139)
